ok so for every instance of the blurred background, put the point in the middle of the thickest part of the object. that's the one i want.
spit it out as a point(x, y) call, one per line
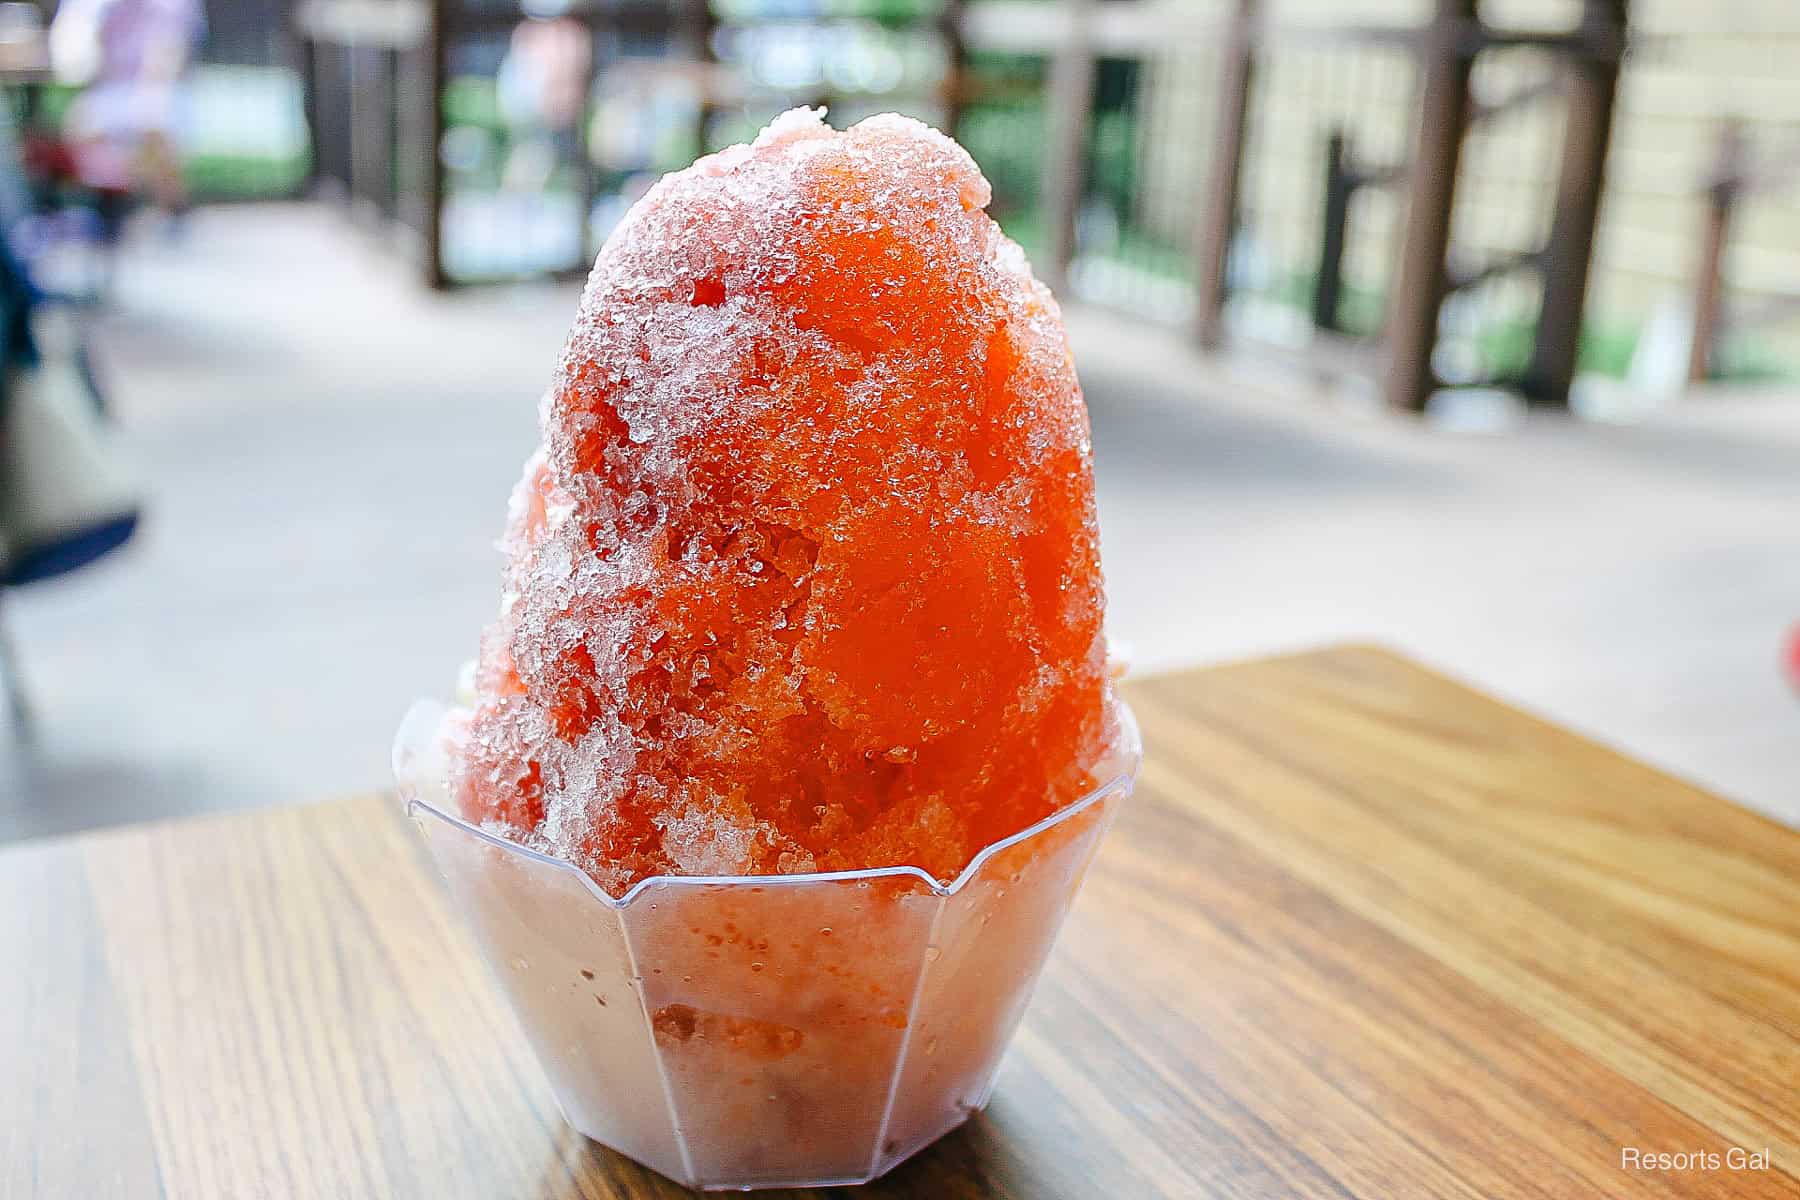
point(1466, 327)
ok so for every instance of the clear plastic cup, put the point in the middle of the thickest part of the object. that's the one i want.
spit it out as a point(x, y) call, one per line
point(769, 1030)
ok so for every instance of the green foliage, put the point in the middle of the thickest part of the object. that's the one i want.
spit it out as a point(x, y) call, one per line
point(1114, 159)
point(895, 14)
point(1606, 344)
point(1753, 357)
point(1026, 227)
point(892, 13)
point(1004, 132)
point(244, 177)
point(53, 103)
point(473, 100)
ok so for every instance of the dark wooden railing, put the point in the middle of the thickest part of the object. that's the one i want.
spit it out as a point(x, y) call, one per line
point(1444, 52)
point(377, 69)
point(1735, 178)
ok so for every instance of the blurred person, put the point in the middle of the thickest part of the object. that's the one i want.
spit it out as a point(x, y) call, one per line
point(131, 58)
point(543, 85)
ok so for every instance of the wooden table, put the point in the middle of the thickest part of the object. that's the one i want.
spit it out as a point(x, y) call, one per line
point(1362, 932)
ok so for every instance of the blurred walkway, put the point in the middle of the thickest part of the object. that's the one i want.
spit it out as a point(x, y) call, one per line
point(331, 450)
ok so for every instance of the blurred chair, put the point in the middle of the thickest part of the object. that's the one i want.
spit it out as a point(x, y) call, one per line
point(66, 495)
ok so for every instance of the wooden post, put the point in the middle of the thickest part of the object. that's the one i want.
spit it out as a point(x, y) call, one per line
point(1070, 103)
point(1709, 283)
point(307, 67)
point(391, 60)
point(1593, 84)
point(956, 64)
point(368, 131)
point(1339, 187)
point(697, 26)
point(413, 150)
point(1447, 53)
point(437, 72)
point(327, 99)
point(587, 185)
point(1218, 215)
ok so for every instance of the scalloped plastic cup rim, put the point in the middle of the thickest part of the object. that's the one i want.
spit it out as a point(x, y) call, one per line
point(419, 770)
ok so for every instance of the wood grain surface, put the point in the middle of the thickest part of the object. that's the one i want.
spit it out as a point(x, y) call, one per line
point(1362, 933)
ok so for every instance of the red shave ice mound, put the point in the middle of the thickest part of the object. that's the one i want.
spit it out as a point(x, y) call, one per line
point(805, 577)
